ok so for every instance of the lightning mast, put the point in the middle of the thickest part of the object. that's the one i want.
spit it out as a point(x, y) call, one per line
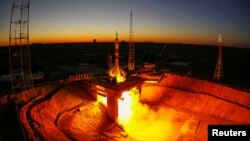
point(218, 73)
point(131, 53)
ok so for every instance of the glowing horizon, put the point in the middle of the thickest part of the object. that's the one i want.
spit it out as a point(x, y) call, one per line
point(177, 39)
point(177, 21)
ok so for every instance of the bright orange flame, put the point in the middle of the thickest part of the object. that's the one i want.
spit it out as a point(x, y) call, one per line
point(141, 122)
point(102, 99)
point(120, 78)
point(124, 107)
point(117, 74)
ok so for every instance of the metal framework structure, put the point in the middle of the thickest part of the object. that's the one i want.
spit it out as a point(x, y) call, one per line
point(19, 58)
point(131, 52)
point(110, 61)
point(218, 73)
point(19, 54)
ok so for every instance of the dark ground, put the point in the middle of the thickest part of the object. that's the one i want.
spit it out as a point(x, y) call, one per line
point(10, 129)
point(47, 58)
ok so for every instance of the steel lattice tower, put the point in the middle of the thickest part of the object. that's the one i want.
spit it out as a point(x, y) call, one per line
point(19, 54)
point(19, 58)
point(218, 73)
point(131, 52)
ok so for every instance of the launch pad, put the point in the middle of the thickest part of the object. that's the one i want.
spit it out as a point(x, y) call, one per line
point(105, 89)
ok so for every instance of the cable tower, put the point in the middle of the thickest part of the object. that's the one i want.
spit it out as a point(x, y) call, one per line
point(218, 73)
point(131, 53)
point(110, 61)
point(19, 59)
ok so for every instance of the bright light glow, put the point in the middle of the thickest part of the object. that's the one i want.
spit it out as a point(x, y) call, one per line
point(102, 99)
point(141, 122)
point(100, 87)
point(120, 78)
point(119, 74)
point(124, 107)
point(151, 81)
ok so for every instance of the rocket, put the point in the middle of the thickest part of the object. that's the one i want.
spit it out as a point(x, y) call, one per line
point(117, 71)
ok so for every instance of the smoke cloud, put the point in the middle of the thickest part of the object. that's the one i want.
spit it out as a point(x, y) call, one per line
point(144, 122)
